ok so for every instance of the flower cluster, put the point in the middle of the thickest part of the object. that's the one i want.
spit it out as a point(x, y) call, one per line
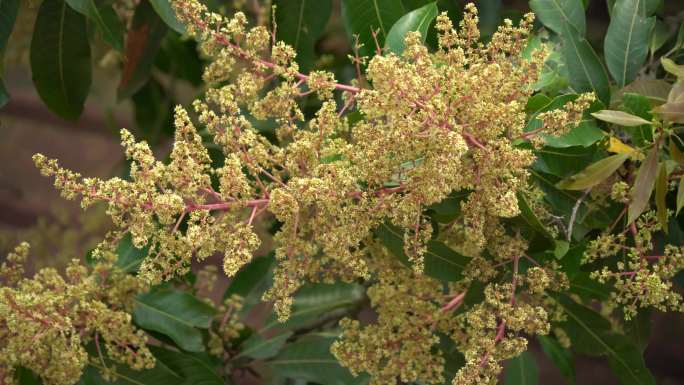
point(46, 321)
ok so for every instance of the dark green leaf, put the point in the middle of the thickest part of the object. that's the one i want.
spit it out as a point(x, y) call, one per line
point(26, 377)
point(638, 329)
point(585, 134)
point(441, 262)
point(250, 277)
point(661, 34)
point(4, 95)
point(522, 370)
point(643, 185)
point(585, 70)
point(560, 356)
point(60, 58)
point(416, 20)
point(594, 174)
point(529, 216)
point(124, 375)
point(680, 195)
point(260, 348)
point(300, 24)
point(129, 257)
point(314, 301)
point(8, 15)
point(175, 314)
point(363, 16)
point(309, 359)
point(104, 17)
point(195, 368)
point(166, 13)
point(450, 207)
point(627, 40)
point(142, 43)
point(556, 13)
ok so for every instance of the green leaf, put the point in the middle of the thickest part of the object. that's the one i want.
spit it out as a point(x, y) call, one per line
point(416, 20)
point(8, 15)
point(627, 40)
point(661, 34)
point(643, 185)
point(676, 153)
point(175, 314)
point(26, 377)
point(4, 95)
point(166, 13)
point(585, 70)
point(300, 24)
point(672, 67)
point(129, 256)
point(309, 359)
point(104, 17)
point(142, 44)
point(556, 13)
point(522, 370)
point(450, 207)
point(560, 356)
point(680, 195)
point(620, 118)
point(441, 261)
point(260, 348)
point(60, 58)
point(363, 16)
point(160, 374)
point(584, 134)
point(250, 277)
point(195, 368)
point(661, 192)
point(528, 215)
point(594, 173)
point(591, 334)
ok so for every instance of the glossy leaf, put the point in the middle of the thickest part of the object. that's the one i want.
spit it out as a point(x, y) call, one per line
point(584, 134)
point(660, 194)
point(416, 20)
point(175, 314)
point(309, 359)
point(441, 261)
point(129, 256)
point(300, 24)
point(556, 13)
point(643, 185)
point(250, 277)
point(8, 15)
point(314, 301)
point(363, 16)
point(593, 174)
point(585, 70)
point(522, 370)
point(142, 44)
point(627, 40)
point(166, 13)
point(60, 58)
point(258, 347)
point(560, 356)
point(104, 17)
point(620, 118)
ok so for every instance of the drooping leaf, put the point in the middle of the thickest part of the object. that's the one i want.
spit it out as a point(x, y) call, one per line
point(643, 185)
point(60, 58)
point(142, 43)
point(522, 370)
point(8, 15)
point(441, 261)
point(655, 90)
point(671, 111)
point(363, 16)
point(627, 40)
point(676, 93)
point(166, 13)
point(416, 20)
point(105, 18)
point(616, 146)
point(661, 192)
point(260, 348)
point(672, 67)
point(314, 301)
point(129, 256)
point(555, 13)
point(560, 356)
point(175, 314)
point(585, 70)
point(620, 118)
point(309, 359)
point(529, 216)
point(593, 174)
point(675, 153)
point(300, 24)
point(195, 368)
